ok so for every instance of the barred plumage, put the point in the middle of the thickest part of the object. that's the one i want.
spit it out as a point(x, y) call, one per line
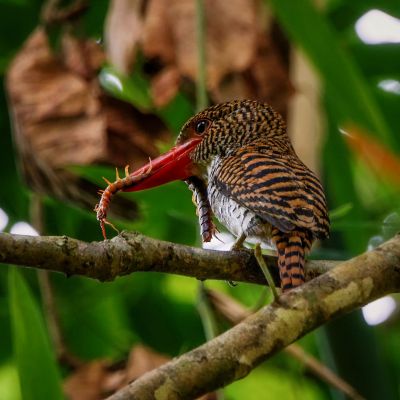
point(256, 184)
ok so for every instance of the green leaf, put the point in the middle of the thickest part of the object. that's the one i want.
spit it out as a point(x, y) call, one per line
point(133, 89)
point(272, 383)
point(95, 310)
point(15, 2)
point(38, 372)
point(340, 187)
point(345, 85)
point(13, 196)
point(9, 384)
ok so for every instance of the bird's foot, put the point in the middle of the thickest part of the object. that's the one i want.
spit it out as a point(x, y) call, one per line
point(264, 268)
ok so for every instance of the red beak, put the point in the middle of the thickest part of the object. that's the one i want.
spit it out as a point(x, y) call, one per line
point(171, 166)
point(174, 165)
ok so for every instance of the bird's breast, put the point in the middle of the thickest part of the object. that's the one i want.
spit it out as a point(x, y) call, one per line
point(236, 218)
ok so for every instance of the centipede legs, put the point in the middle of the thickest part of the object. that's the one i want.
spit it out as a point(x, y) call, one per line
point(119, 184)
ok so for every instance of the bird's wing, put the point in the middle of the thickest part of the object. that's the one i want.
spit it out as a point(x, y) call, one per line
point(270, 186)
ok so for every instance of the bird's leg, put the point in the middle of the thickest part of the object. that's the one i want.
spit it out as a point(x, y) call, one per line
point(203, 208)
point(264, 268)
point(238, 245)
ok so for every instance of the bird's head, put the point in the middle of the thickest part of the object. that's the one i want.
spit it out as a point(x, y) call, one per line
point(215, 131)
point(225, 127)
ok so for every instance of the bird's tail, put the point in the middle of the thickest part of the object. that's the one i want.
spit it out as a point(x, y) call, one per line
point(292, 248)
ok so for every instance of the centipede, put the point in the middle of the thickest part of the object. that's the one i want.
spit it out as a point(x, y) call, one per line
point(119, 184)
point(203, 209)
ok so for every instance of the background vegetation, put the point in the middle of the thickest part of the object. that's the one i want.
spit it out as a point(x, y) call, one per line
point(358, 149)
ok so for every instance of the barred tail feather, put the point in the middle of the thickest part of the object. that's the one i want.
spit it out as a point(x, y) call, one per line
point(294, 262)
point(292, 248)
point(281, 244)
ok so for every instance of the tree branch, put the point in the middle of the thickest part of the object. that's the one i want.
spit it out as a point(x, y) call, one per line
point(234, 312)
point(133, 252)
point(235, 353)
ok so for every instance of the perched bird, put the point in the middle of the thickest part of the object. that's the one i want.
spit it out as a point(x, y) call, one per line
point(238, 160)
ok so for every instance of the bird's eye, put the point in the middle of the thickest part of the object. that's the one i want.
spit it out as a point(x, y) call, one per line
point(201, 126)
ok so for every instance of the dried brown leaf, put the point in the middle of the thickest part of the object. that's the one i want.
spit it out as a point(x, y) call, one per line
point(61, 117)
point(86, 383)
point(131, 135)
point(170, 36)
point(164, 86)
point(243, 53)
point(230, 42)
point(142, 359)
point(98, 379)
point(158, 42)
point(266, 79)
point(123, 32)
point(54, 109)
point(268, 74)
point(84, 57)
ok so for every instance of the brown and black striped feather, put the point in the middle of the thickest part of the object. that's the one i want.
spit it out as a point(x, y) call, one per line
point(270, 187)
point(285, 193)
point(291, 248)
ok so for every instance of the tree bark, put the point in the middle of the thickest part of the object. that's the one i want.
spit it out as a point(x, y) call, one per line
point(132, 252)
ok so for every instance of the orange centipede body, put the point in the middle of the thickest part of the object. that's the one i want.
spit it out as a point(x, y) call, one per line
point(119, 184)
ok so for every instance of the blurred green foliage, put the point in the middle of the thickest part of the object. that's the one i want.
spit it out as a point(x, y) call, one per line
point(31, 344)
point(107, 319)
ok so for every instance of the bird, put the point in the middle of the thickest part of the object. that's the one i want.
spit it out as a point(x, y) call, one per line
point(238, 161)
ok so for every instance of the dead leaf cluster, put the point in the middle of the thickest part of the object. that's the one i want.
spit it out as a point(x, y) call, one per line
point(98, 379)
point(61, 118)
point(245, 53)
